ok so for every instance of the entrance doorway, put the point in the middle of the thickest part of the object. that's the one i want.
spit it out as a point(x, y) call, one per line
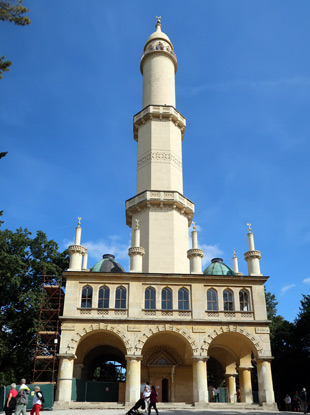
point(164, 390)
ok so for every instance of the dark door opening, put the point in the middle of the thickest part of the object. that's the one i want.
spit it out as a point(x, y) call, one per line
point(164, 390)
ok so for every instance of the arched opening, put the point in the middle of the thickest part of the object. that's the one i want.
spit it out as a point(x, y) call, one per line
point(167, 364)
point(100, 368)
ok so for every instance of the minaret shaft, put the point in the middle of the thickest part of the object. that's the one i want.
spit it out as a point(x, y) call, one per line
point(160, 207)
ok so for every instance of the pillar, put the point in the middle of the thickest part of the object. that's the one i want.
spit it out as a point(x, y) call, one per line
point(64, 382)
point(77, 370)
point(200, 383)
point(265, 384)
point(231, 387)
point(133, 379)
point(136, 252)
point(195, 254)
point(172, 395)
point(245, 384)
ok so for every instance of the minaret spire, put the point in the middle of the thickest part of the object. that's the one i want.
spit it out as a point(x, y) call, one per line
point(164, 213)
point(253, 256)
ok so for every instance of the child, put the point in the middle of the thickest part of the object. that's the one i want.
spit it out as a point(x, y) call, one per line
point(37, 401)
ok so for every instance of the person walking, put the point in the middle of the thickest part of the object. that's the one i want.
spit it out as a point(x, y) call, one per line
point(11, 400)
point(153, 400)
point(37, 401)
point(303, 401)
point(146, 396)
point(288, 401)
point(22, 398)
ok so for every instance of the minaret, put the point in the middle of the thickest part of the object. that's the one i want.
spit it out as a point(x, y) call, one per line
point(76, 251)
point(195, 254)
point(253, 256)
point(162, 210)
point(136, 252)
point(235, 264)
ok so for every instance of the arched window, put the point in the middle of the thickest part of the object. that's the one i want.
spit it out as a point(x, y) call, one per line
point(87, 297)
point(228, 299)
point(166, 299)
point(120, 297)
point(183, 303)
point(212, 300)
point(104, 297)
point(244, 300)
point(150, 303)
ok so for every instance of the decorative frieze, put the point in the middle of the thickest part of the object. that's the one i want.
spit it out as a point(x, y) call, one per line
point(159, 156)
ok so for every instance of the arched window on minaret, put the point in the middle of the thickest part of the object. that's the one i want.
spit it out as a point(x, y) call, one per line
point(87, 297)
point(212, 300)
point(120, 297)
point(183, 303)
point(104, 297)
point(244, 300)
point(150, 301)
point(166, 299)
point(228, 299)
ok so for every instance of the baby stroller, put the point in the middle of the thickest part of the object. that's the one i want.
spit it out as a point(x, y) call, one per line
point(135, 409)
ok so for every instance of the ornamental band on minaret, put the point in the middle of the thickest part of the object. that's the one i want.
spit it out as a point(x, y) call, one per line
point(163, 211)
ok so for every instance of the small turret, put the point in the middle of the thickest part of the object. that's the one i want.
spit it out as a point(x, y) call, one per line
point(76, 251)
point(253, 256)
point(235, 264)
point(136, 252)
point(195, 254)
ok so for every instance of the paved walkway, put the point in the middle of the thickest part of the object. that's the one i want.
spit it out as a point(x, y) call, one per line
point(164, 412)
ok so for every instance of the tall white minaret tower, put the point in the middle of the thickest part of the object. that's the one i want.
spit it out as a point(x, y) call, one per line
point(164, 213)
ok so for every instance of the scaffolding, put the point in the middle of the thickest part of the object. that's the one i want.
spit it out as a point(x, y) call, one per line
point(47, 340)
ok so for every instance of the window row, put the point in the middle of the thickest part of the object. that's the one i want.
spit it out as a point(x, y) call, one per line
point(121, 297)
point(228, 300)
point(166, 298)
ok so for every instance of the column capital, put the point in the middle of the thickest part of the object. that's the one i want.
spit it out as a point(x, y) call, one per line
point(231, 374)
point(68, 356)
point(245, 367)
point(200, 358)
point(133, 357)
point(264, 358)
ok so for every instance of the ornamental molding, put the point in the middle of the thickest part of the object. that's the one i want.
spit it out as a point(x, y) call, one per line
point(194, 252)
point(163, 351)
point(159, 156)
point(82, 332)
point(77, 249)
point(252, 254)
point(213, 333)
point(136, 250)
point(160, 113)
point(149, 331)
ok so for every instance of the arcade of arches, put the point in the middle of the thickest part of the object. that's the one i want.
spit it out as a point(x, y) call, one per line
point(167, 361)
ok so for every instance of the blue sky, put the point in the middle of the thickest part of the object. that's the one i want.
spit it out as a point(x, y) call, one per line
point(243, 84)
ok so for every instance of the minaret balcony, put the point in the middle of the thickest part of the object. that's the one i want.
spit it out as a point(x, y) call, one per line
point(159, 199)
point(159, 113)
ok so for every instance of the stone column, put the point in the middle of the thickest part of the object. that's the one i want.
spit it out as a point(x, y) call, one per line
point(200, 383)
point(133, 379)
point(64, 382)
point(265, 384)
point(231, 387)
point(172, 397)
point(245, 384)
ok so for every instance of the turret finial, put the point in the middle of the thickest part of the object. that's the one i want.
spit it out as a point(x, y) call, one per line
point(194, 226)
point(158, 23)
point(235, 252)
point(79, 219)
point(249, 226)
point(137, 223)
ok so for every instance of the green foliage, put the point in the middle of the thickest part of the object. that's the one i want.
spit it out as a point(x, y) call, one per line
point(12, 11)
point(290, 345)
point(22, 263)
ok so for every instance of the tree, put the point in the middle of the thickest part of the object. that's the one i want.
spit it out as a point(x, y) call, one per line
point(12, 11)
point(22, 261)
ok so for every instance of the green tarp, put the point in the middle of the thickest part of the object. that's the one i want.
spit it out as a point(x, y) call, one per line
point(46, 389)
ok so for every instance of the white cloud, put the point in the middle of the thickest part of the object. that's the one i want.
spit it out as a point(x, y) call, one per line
point(306, 281)
point(287, 288)
point(209, 252)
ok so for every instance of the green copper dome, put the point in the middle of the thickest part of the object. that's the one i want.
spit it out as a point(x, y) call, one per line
point(107, 264)
point(217, 267)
